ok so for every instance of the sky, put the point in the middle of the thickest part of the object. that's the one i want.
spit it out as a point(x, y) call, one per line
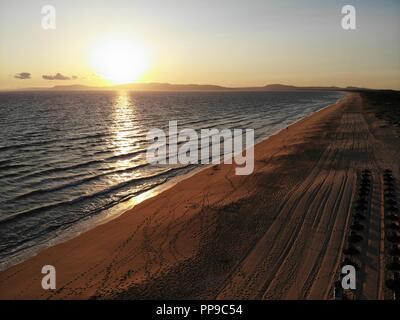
point(223, 42)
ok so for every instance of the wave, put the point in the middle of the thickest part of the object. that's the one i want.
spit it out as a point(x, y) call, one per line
point(106, 191)
point(75, 183)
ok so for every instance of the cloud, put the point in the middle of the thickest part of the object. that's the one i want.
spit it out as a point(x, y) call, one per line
point(57, 76)
point(23, 75)
point(74, 78)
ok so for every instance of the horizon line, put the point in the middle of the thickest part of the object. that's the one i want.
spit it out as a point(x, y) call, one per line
point(186, 87)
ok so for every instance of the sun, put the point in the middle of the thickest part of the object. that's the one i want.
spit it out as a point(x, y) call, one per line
point(119, 61)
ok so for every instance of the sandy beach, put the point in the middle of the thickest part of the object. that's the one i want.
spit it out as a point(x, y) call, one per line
point(279, 233)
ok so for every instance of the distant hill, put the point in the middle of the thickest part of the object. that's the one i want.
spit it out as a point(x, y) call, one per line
point(282, 87)
point(188, 87)
point(74, 87)
point(171, 87)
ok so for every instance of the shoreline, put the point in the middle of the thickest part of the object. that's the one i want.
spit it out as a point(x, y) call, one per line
point(207, 236)
point(123, 207)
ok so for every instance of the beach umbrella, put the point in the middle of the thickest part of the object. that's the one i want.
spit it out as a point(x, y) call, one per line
point(356, 226)
point(392, 209)
point(388, 175)
point(359, 216)
point(394, 237)
point(365, 180)
point(362, 201)
point(393, 217)
point(389, 194)
point(355, 237)
point(365, 189)
point(390, 190)
point(389, 185)
point(347, 261)
point(395, 250)
point(391, 202)
point(351, 251)
point(366, 172)
point(394, 226)
point(394, 264)
point(361, 207)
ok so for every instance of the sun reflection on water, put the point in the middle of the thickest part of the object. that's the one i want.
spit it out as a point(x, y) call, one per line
point(123, 123)
point(123, 141)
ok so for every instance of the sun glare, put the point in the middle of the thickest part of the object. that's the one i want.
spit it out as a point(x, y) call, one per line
point(119, 61)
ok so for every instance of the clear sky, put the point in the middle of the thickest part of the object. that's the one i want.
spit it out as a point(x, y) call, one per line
point(225, 42)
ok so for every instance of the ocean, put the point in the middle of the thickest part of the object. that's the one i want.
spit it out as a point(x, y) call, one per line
point(70, 159)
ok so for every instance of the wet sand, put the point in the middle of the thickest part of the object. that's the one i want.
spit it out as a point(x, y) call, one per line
point(276, 234)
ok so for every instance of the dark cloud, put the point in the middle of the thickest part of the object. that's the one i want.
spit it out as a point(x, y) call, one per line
point(74, 78)
point(57, 76)
point(23, 75)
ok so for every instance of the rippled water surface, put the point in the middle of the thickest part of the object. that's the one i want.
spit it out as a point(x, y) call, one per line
point(66, 157)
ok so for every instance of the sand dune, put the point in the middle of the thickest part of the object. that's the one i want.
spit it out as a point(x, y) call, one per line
point(276, 234)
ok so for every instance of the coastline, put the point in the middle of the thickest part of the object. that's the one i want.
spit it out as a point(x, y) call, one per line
point(121, 208)
point(183, 242)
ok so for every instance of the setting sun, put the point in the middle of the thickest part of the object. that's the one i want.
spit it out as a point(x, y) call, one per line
point(119, 61)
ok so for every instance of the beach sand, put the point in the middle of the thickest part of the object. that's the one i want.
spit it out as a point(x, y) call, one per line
point(276, 234)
